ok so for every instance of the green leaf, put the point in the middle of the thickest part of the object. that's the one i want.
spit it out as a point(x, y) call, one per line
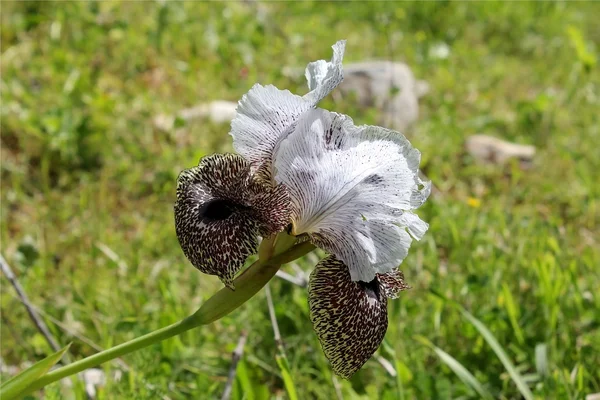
point(495, 345)
point(243, 378)
point(464, 375)
point(403, 373)
point(513, 312)
point(586, 57)
point(19, 384)
point(288, 382)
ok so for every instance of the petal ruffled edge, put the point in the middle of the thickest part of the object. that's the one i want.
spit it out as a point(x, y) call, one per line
point(353, 189)
point(392, 283)
point(323, 76)
point(266, 115)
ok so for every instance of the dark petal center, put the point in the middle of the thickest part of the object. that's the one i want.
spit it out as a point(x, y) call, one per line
point(218, 209)
point(371, 289)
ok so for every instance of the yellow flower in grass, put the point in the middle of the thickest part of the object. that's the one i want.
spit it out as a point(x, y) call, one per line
point(473, 202)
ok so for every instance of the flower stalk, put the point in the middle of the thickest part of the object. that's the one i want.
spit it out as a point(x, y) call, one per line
point(282, 250)
point(251, 280)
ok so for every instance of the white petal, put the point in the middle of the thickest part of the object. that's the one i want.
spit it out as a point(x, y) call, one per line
point(353, 189)
point(416, 226)
point(263, 117)
point(266, 115)
point(324, 76)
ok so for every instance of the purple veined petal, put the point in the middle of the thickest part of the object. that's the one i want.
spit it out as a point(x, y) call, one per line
point(353, 190)
point(220, 212)
point(266, 115)
point(349, 318)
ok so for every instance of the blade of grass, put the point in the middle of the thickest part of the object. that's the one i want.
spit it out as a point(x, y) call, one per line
point(403, 374)
point(243, 378)
point(513, 312)
point(494, 344)
point(20, 384)
point(463, 374)
point(235, 359)
point(288, 381)
point(280, 357)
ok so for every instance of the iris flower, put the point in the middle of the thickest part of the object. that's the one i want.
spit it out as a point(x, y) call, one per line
point(351, 190)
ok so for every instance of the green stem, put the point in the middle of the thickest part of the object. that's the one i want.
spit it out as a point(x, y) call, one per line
point(248, 284)
point(220, 304)
point(114, 352)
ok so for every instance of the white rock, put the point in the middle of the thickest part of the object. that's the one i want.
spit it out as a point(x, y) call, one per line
point(488, 149)
point(388, 86)
point(93, 377)
point(218, 111)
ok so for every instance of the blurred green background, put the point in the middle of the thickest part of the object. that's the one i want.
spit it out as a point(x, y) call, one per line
point(88, 185)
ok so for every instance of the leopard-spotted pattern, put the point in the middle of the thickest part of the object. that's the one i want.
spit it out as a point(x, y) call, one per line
point(220, 212)
point(349, 318)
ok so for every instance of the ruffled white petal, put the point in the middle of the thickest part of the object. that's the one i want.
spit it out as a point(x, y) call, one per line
point(353, 189)
point(266, 115)
point(323, 76)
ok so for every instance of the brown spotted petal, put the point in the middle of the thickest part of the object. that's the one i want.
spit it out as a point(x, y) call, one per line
point(220, 212)
point(350, 318)
point(392, 283)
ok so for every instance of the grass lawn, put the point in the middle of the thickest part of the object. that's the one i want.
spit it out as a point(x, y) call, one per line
point(88, 186)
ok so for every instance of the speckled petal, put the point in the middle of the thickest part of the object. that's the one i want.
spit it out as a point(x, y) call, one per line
point(271, 207)
point(323, 76)
point(354, 189)
point(266, 115)
point(349, 318)
point(392, 283)
point(221, 210)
